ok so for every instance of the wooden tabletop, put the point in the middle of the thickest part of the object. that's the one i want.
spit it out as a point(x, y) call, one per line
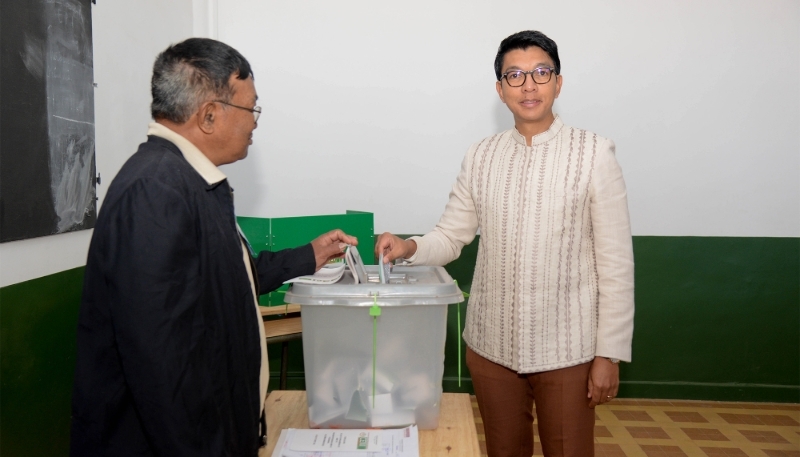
point(280, 327)
point(456, 435)
point(279, 309)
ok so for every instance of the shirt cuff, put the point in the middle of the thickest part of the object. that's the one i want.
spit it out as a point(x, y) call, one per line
point(413, 258)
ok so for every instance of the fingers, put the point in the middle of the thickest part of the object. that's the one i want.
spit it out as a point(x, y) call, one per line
point(339, 236)
point(330, 246)
point(336, 238)
point(333, 251)
point(603, 383)
point(390, 245)
point(598, 395)
point(325, 253)
point(590, 391)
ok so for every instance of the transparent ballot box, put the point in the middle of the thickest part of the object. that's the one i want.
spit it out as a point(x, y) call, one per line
point(374, 352)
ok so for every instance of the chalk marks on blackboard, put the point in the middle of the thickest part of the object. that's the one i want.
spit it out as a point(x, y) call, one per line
point(33, 56)
point(48, 123)
point(70, 108)
point(73, 120)
point(74, 187)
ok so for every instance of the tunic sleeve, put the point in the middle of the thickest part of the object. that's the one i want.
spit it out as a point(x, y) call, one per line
point(457, 226)
point(614, 255)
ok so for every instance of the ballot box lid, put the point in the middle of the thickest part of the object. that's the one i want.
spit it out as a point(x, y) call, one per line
point(408, 285)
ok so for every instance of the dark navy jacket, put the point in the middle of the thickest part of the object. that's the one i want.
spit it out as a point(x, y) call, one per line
point(169, 355)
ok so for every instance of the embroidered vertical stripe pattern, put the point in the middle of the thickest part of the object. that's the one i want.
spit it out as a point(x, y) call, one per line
point(535, 291)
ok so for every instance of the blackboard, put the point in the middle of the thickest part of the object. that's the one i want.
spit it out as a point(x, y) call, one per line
point(47, 135)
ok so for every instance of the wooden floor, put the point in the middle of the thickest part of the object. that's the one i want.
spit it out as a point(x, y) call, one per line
point(659, 428)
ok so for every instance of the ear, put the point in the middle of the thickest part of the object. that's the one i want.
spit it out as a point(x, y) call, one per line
point(206, 116)
point(559, 80)
point(499, 87)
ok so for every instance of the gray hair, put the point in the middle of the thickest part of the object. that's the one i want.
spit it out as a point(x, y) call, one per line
point(192, 72)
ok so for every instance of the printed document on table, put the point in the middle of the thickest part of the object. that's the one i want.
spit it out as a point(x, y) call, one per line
point(381, 443)
point(335, 440)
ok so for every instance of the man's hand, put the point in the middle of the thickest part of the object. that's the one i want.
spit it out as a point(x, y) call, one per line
point(603, 381)
point(331, 246)
point(394, 247)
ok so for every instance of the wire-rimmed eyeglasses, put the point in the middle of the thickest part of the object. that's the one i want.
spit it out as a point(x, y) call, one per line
point(256, 110)
point(540, 75)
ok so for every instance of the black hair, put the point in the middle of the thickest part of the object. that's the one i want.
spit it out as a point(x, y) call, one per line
point(523, 40)
point(189, 73)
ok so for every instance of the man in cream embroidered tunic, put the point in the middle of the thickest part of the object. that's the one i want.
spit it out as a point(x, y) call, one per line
point(550, 312)
point(171, 356)
point(554, 231)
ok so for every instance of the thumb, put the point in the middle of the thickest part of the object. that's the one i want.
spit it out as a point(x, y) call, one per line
point(331, 250)
point(591, 387)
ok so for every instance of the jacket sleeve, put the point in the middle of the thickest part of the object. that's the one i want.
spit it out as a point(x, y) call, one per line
point(611, 230)
point(152, 261)
point(275, 267)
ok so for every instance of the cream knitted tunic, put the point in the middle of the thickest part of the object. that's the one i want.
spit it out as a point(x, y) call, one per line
point(553, 284)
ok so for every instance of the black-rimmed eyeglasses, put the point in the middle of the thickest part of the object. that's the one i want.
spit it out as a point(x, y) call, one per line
point(256, 110)
point(540, 75)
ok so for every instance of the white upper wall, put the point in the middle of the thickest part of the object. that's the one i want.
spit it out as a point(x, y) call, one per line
point(701, 98)
point(127, 37)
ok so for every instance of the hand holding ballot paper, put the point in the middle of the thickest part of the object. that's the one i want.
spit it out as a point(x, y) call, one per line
point(330, 246)
point(356, 264)
point(331, 273)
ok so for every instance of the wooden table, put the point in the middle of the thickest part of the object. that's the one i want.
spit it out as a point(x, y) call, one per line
point(455, 437)
point(282, 331)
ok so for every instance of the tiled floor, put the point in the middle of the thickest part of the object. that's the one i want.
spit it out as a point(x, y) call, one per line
point(661, 428)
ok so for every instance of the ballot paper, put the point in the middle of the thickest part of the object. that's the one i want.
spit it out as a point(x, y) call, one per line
point(384, 271)
point(353, 260)
point(402, 442)
point(330, 273)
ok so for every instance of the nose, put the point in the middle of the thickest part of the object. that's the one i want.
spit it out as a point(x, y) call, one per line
point(529, 85)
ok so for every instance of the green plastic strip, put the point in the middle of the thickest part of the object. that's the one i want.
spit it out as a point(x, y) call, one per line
point(374, 311)
point(459, 343)
point(287, 305)
point(458, 305)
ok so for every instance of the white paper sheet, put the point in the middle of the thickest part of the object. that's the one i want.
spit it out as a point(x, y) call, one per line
point(393, 443)
point(335, 440)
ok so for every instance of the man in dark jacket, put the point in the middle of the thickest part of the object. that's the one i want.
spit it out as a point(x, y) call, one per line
point(171, 355)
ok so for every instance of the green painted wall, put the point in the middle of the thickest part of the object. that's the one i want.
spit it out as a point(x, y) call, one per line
point(38, 322)
point(716, 319)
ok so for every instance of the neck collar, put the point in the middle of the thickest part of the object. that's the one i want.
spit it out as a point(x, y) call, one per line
point(539, 138)
point(190, 152)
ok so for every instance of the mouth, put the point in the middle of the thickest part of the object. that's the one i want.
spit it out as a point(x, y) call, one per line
point(530, 103)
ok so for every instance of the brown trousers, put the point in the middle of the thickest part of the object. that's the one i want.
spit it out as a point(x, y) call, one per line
point(506, 398)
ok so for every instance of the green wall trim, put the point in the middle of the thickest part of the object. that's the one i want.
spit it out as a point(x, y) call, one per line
point(716, 319)
point(710, 391)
